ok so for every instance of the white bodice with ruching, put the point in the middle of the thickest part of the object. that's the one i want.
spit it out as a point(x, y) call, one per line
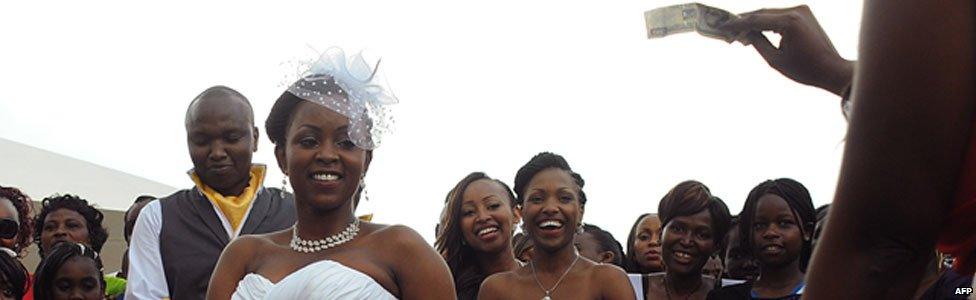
point(324, 279)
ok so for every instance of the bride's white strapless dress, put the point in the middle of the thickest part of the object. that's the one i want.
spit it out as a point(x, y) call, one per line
point(324, 279)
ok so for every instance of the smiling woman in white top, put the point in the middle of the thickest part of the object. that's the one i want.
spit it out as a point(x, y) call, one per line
point(325, 127)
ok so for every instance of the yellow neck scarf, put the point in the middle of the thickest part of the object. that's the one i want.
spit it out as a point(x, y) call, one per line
point(234, 207)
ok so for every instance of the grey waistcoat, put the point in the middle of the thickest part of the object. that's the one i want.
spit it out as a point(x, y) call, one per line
point(192, 237)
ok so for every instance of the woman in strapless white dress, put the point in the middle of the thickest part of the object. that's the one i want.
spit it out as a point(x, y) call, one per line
point(324, 130)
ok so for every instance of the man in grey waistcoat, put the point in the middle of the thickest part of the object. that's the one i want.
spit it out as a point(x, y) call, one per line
point(178, 239)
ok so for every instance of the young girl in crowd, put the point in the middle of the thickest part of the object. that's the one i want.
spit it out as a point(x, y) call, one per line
point(644, 246)
point(13, 276)
point(70, 271)
point(324, 128)
point(695, 224)
point(739, 264)
point(777, 223)
point(475, 232)
point(15, 207)
point(552, 201)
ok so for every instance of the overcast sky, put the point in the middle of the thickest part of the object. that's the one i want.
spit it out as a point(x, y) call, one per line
point(483, 86)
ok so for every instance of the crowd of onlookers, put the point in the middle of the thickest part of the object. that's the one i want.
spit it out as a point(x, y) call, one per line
point(692, 238)
point(69, 233)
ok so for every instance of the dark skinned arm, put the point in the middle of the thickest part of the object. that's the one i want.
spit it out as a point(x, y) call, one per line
point(914, 101)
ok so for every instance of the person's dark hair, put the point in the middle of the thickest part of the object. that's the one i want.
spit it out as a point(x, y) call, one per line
point(48, 269)
point(279, 119)
point(691, 197)
point(14, 274)
point(732, 226)
point(800, 202)
point(127, 226)
point(23, 205)
point(821, 223)
point(459, 256)
point(822, 212)
point(630, 263)
point(607, 242)
point(521, 243)
point(93, 218)
point(539, 163)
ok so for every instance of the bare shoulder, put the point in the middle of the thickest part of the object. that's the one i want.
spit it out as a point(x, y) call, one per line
point(612, 281)
point(265, 239)
point(391, 243)
point(412, 264)
point(253, 245)
point(245, 245)
point(493, 286)
point(608, 271)
point(393, 235)
point(501, 277)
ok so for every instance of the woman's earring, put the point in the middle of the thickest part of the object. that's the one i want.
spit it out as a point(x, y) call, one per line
point(284, 186)
point(579, 229)
point(362, 188)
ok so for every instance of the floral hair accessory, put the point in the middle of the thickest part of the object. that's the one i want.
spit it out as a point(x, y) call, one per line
point(350, 87)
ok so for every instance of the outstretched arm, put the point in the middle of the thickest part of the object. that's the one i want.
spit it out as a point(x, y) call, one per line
point(914, 101)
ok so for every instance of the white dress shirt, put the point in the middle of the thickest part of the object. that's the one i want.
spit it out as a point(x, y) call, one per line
point(146, 277)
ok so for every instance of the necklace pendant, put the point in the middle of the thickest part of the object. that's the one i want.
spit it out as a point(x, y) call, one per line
point(546, 298)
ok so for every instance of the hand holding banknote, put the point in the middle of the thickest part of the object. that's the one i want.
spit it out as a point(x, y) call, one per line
point(805, 53)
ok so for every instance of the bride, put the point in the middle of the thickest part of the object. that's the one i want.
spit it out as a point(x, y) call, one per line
point(324, 128)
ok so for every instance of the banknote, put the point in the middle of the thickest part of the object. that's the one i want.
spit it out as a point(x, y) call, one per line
point(704, 19)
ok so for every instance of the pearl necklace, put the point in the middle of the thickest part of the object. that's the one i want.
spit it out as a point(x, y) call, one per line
point(310, 246)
